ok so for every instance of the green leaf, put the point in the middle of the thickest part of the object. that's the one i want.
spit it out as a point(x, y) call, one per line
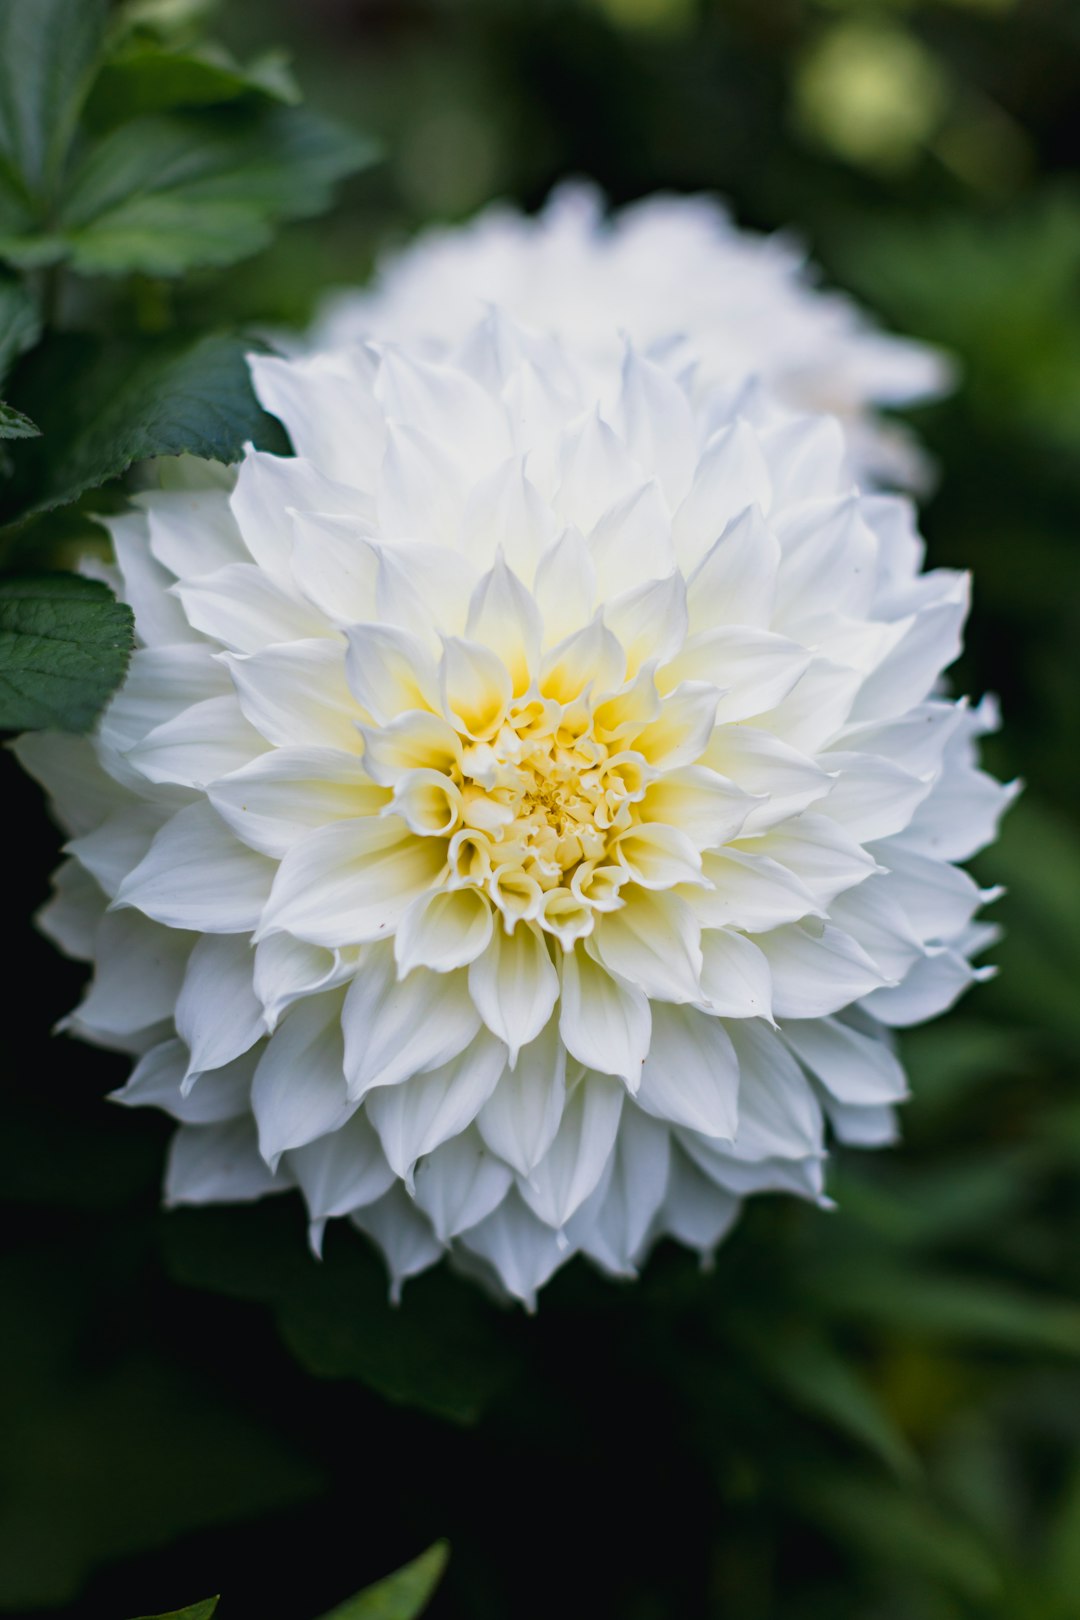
point(822, 1382)
point(112, 1453)
point(888, 1526)
point(102, 407)
point(194, 1611)
point(962, 1308)
point(163, 195)
point(20, 323)
point(444, 1349)
point(14, 425)
point(149, 78)
point(64, 647)
point(48, 51)
point(401, 1596)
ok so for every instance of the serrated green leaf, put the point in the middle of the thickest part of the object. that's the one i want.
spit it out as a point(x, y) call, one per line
point(48, 51)
point(14, 425)
point(401, 1596)
point(163, 195)
point(64, 646)
point(194, 1611)
point(102, 407)
point(150, 78)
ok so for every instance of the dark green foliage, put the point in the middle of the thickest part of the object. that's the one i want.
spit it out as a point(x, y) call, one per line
point(64, 646)
point(129, 147)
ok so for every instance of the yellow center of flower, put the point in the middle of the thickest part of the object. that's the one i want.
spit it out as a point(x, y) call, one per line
point(534, 815)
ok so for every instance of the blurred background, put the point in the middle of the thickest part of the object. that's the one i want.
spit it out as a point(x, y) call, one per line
point(868, 1415)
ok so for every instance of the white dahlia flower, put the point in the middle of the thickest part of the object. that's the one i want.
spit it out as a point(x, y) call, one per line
point(684, 284)
point(520, 826)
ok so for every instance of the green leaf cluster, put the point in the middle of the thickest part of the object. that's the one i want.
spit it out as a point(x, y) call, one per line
point(404, 1595)
point(132, 150)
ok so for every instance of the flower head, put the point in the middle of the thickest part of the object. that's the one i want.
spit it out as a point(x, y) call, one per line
point(684, 283)
point(523, 820)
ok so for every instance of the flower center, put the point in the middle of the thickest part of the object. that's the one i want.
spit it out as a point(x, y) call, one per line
point(540, 810)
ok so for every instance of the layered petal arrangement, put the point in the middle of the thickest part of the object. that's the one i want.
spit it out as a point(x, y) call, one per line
point(687, 286)
point(528, 812)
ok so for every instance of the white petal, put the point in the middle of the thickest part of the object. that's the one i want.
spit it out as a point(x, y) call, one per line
point(268, 490)
point(390, 671)
point(695, 1210)
point(871, 798)
point(705, 806)
point(197, 875)
point(735, 977)
point(206, 741)
point(935, 982)
point(520, 1248)
point(73, 912)
point(631, 542)
point(613, 1226)
point(735, 582)
point(137, 972)
point(161, 683)
point(816, 973)
point(394, 1030)
point(81, 794)
point(460, 1183)
point(156, 1082)
point(403, 1234)
point(856, 1068)
point(327, 407)
point(352, 881)
point(342, 1171)
point(287, 968)
point(121, 841)
point(783, 781)
point(654, 943)
point(159, 619)
point(604, 1021)
point(750, 892)
point(681, 730)
point(578, 1156)
point(192, 531)
point(335, 565)
point(287, 793)
point(730, 476)
point(504, 617)
point(298, 1093)
point(243, 609)
point(514, 985)
point(649, 620)
point(475, 686)
point(520, 1118)
point(216, 1164)
point(217, 1014)
point(565, 587)
point(691, 1076)
point(443, 931)
point(415, 1116)
point(296, 695)
point(754, 669)
point(595, 468)
point(779, 1116)
point(657, 424)
point(825, 858)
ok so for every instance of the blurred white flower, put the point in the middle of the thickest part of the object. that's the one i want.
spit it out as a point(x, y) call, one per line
point(688, 288)
point(522, 823)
